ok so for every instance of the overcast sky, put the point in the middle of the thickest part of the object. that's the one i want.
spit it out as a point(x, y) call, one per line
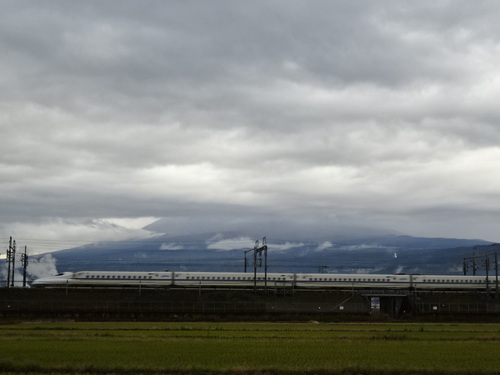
point(214, 114)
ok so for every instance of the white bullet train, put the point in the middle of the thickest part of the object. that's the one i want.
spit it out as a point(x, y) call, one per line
point(247, 280)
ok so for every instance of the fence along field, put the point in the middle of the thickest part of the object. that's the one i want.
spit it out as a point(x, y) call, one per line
point(241, 348)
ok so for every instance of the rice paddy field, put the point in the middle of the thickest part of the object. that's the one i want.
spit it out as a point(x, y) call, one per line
point(249, 348)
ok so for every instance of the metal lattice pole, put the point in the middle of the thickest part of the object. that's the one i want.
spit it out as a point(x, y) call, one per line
point(13, 263)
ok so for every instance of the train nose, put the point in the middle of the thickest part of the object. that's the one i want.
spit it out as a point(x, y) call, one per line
point(51, 280)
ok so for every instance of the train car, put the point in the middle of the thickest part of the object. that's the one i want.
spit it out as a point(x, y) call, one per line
point(449, 282)
point(356, 281)
point(105, 279)
point(231, 279)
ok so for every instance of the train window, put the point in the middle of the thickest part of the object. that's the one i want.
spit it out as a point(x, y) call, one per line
point(87, 276)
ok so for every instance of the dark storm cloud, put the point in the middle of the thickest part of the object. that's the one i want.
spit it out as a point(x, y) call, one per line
point(367, 113)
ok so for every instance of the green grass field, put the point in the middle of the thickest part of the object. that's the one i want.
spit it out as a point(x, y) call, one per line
point(249, 348)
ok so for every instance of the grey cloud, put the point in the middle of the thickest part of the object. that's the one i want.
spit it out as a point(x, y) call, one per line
point(236, 111)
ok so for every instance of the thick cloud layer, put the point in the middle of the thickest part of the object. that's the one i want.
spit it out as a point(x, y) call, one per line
point(294, 113)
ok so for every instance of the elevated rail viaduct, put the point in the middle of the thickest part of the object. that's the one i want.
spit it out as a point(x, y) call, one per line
point(168, 304)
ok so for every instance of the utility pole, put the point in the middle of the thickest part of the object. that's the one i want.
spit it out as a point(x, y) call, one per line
point(9, 258)
point(264, 246)
point(13, 263)
point(487, 267)
point(496, 275)
point(255, 265)
point(486, 264)
point(258, 251)
point(24, 262)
